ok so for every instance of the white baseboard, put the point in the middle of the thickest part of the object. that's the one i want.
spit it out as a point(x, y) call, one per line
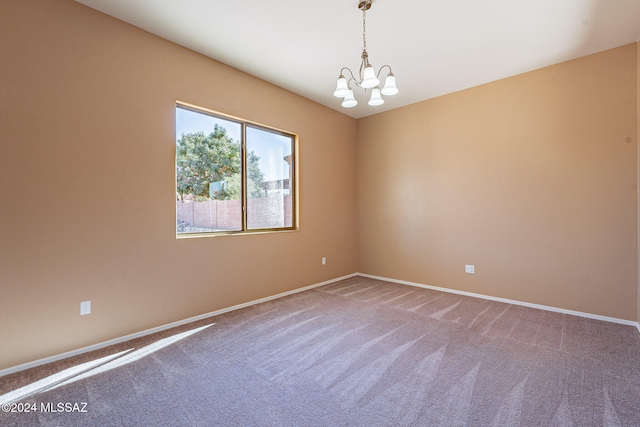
point(508, 301)
point(119, 340)
point(98, 346)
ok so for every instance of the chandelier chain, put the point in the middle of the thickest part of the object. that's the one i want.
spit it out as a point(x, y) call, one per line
point(364, 29)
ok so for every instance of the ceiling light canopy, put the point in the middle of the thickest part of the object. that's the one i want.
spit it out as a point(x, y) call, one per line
point(367, 77)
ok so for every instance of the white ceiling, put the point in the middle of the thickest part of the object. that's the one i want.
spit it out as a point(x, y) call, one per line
point(435, 47)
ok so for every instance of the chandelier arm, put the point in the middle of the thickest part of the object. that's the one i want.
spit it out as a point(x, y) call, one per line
point(342, 71)
point(380, 70)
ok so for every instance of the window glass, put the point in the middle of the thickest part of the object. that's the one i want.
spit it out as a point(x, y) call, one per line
point(269, 179)
point(223, 188)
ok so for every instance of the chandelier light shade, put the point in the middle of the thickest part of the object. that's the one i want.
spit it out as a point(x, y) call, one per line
point(369, 80)
point(367, 77)
point(349, 100)
point(390, 85)
point(376, 97)
point(342, 89)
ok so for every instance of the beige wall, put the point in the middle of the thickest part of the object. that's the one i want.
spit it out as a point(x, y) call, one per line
point(533, 179)
point(638, 138)
point(87, 180)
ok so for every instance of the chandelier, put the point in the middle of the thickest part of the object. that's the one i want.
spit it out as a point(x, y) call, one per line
point(367, 77)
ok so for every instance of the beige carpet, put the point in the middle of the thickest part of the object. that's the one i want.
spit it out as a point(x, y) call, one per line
point(360, 352)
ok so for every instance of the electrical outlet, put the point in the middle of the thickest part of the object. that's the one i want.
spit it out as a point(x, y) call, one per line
point(85, 308)
point(469, 269)
point(324, 260)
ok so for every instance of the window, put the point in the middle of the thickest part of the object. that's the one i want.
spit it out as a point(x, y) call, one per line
point(232, 176)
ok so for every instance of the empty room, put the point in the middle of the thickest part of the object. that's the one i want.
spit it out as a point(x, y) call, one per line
point(285, 213)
